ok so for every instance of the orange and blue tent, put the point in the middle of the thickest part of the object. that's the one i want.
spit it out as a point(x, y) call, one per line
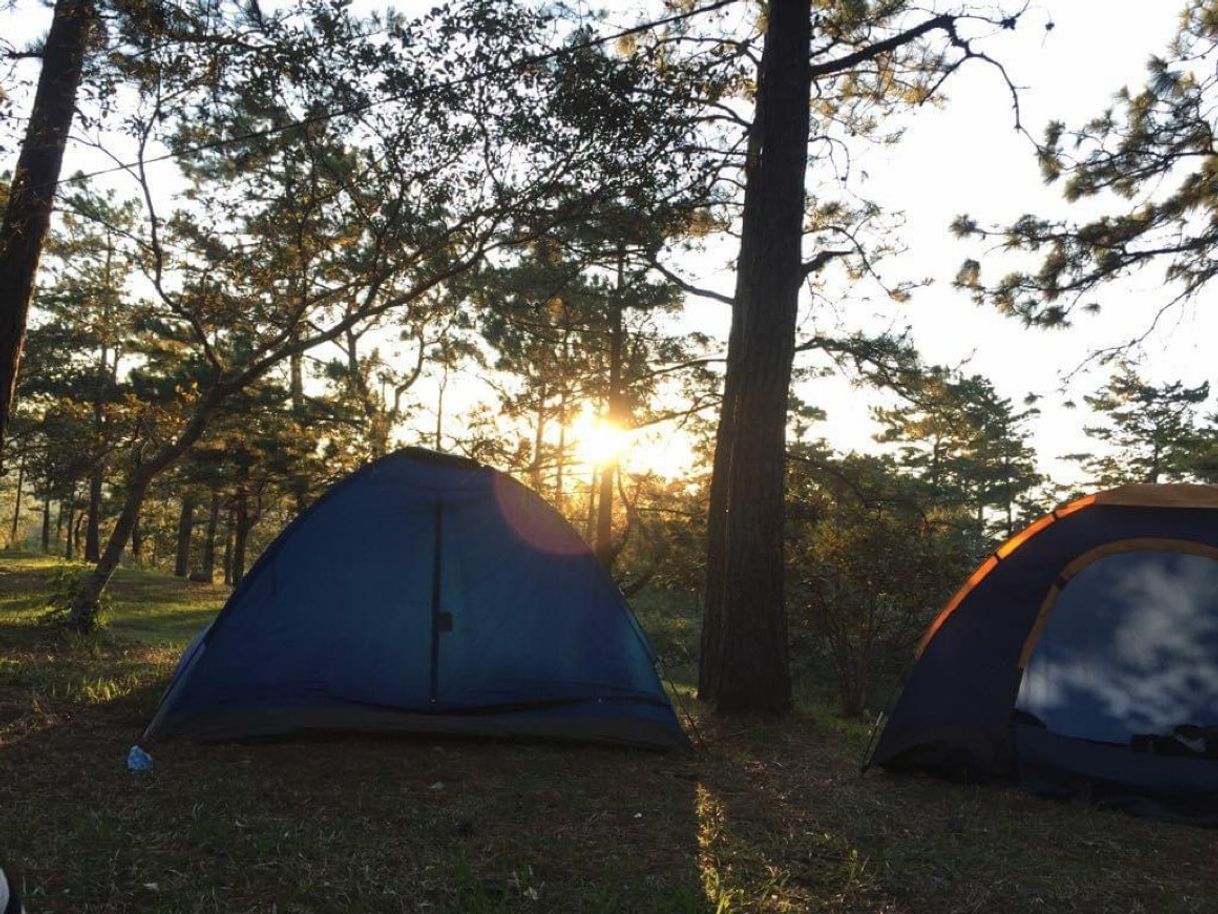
point(1080, 657)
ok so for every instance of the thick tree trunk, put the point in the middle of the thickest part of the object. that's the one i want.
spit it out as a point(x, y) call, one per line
point(716, 528)
point(46, 524)
point(92, 527)
point(12, 536)
point(186, 526)
point(207, 573)
point(59, 523)
point(32, 190)
point(750, 654)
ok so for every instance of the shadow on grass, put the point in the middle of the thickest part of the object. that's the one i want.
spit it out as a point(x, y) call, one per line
point(354, 824)
point(769, 817)
point(173, 626)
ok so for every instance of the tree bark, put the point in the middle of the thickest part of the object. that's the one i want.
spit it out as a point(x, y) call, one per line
point(208, 569)
point(137, 539)
point(605, 549)
point(12, 536)
point(32, 191)
point(228, 548)
point(46, 524)
point(751, 672)
point(76, 532)
point(69, 546)
point(242, 525)
point(92, 526)
point(561, 457)
point(186, 525)
point(590, 520)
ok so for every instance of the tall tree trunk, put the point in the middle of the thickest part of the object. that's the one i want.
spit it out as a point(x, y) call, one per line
point(12, 536)
point(300, 487)
point(59, 523)
point(228, 547)
point(92, 527)
point(186, 525)
point(32, 191)
point(750, 655)
point(208, 570)
point(69, 546)
point(93, 532)
point(561, 457)
point(240, 535)
point(590, 520)
point(605, 549)
point(46, 524)
point(76, 531)
point(440, 408)
point(539, 440)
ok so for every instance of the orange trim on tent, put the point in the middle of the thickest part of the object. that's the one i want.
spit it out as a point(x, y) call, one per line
point(1024, 535)
point(1149, 495)
point(991, 563)
point(1076, 505)
point(974, 579)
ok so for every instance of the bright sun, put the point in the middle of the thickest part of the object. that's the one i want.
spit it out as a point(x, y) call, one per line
point(598, 441)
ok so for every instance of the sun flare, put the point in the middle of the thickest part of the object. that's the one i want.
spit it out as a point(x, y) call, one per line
point(599, 442)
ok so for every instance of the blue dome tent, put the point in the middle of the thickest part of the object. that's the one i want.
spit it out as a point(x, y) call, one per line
point(423, 593)
point(1080, 657)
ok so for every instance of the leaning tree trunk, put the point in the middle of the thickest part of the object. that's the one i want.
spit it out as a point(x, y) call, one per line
point(32, 190)
point(750, 657)
point(186, 525)
point(137, 540)
point(85, 603)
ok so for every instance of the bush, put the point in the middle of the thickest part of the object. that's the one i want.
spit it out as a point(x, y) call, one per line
point(66, 581)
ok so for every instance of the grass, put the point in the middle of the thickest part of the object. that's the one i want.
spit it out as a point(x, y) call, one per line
point(765, 817)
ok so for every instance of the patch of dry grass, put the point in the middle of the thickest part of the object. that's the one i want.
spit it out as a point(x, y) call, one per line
point(765, 818)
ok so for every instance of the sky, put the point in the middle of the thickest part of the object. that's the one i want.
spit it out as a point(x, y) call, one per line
point(965, 157)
